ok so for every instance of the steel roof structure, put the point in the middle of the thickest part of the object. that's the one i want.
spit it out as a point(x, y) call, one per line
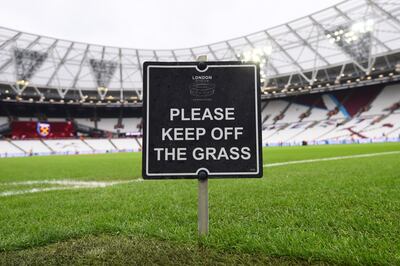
point(352, 39)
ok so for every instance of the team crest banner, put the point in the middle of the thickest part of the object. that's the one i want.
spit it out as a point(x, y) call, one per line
point(43, 129)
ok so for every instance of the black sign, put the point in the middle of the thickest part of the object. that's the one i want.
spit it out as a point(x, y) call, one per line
point(201, 117)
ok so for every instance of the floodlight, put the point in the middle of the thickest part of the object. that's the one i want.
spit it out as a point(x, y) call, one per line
point(258, 55)
point(102, 89)
point(22, 82)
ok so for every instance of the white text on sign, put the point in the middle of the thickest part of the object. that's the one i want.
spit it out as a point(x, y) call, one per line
point(196, 133)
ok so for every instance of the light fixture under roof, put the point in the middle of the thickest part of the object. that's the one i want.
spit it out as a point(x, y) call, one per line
point(102, 89)
point(258, 55)
point(22, 82)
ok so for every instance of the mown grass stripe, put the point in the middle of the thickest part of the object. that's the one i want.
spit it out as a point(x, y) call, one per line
point(331, 158)
point(69, 185)
point(66, 183)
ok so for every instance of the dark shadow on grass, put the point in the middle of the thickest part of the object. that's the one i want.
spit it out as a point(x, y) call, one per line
point(122, 250)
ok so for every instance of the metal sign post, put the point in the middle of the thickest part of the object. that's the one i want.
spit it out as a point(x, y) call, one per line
point(202, 209)
point(203, 204)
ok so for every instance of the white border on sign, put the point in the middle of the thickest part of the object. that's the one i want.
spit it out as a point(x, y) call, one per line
point(210, 173)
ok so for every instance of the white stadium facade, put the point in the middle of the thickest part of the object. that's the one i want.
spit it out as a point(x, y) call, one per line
point(330, 77)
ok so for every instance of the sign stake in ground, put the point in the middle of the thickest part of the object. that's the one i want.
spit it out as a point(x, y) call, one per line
point(201, 120)
point(202, 209)
point(202, 212)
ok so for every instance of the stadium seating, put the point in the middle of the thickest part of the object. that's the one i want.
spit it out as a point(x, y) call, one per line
point(56, 119)
point(294, 111)
point(382, 128)
point(32, 146)
point(100, 145)
point(128, 144)
point(107, 124)
point(315, 131)
point(357, 100)
point(68, 146)
point(360, 114)
point(389, 96)
point(3, 120)
point(394, 134)
point(7, 149)
point(273, 109)
point(85, 121)
point(334, 116)
point(130, 125)
point(32, 129)
point(316, 114)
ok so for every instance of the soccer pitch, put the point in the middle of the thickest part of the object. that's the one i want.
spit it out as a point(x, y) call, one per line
point(315, 204)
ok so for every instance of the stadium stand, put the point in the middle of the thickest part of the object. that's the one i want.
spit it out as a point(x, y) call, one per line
point(386, 98)
point(26, 119)
point(56, 119)
point(363, 114)
point(35, 147)
point(395, 133)
point(131, 125)
point(85, 121)
point(107, 124)
point(68, 146)
point(351, 122)
point(127, 144)
point(100, 145)
point(34, 129)
point(3, 120)
point(8, 149)
point(273, 110)
point(294, 111)
point(140, 141)
point(316, 114)
point(317, 86)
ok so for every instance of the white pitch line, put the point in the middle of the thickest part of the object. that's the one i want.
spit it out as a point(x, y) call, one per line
point(70, 185)
point(36, 190)
point(65, 183)
point(73, 184)
point(331, 158)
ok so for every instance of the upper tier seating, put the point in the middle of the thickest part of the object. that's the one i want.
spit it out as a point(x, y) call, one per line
point(107, 124)
point(3, 120)
point(273, 109)
point(388, 96)
point(56, 119)
point(131, 124)
point(316, 114)
point(85, 122)
point(292, 114)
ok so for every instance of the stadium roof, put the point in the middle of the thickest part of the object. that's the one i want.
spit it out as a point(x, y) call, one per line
point(355, 32)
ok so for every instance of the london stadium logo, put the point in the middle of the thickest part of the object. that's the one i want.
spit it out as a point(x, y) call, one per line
point(202, 86)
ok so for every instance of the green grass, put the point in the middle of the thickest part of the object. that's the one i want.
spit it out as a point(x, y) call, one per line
point(82, 167)
point(344, 212)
